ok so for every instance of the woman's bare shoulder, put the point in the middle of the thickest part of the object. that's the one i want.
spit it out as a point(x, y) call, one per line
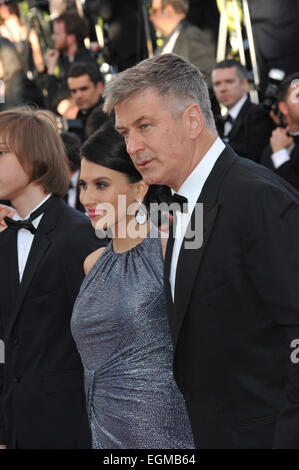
point(91, 259)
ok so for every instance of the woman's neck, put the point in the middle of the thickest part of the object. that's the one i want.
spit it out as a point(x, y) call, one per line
point(135, 234)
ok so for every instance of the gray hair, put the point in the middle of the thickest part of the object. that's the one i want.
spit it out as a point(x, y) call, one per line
point(170, 75)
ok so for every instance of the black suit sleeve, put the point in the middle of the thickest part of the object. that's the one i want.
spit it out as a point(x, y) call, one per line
point(272, 258)
point(257, 131)
point(2, 428)
point(290, 170)
point(198, 47)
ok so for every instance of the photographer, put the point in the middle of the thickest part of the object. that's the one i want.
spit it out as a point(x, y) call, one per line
point(282, 153)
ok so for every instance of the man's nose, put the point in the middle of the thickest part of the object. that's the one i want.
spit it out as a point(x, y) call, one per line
point(134, 144)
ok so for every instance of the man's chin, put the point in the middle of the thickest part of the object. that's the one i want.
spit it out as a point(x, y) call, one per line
point(151, 179)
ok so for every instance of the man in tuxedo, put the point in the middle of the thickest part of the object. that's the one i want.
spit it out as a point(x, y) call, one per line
point(181, 37)
point(246, 126)
point(42, 251)
point(86, 85)
point(233, 299)
point(282, 153)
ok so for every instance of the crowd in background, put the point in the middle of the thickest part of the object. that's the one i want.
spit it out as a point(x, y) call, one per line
point(59, 58)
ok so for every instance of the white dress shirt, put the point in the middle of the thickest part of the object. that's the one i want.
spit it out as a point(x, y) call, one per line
point(25, 239)
point(234, 112)
point(171, 43)
point(284, 155)
point(191, 189)
point(72, 192)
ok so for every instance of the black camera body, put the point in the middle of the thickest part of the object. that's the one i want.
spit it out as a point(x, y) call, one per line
point(276, 77)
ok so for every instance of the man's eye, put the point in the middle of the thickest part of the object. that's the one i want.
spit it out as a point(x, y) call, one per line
point(144, 126)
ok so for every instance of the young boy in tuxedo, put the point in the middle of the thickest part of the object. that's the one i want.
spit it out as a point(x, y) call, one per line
point(42, 251)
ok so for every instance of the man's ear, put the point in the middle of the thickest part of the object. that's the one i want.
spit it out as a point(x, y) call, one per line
point(245, 84)
point(100, 87)
point(195, 120)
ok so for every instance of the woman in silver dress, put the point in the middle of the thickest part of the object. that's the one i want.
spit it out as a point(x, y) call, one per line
point(120, 320)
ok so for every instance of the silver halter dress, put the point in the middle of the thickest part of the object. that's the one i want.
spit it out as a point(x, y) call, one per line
point(121, 330)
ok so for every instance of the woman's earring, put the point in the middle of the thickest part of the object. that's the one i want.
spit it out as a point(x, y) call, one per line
point(141, 213)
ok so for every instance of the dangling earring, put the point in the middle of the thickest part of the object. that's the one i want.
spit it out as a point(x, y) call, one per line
point(141, 214)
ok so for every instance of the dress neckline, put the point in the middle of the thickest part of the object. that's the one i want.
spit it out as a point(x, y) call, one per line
point(153, 229)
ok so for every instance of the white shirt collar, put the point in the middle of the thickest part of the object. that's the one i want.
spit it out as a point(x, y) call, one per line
point(36, 221)
point(234, 111)
point(75, 178)
point(192, 186)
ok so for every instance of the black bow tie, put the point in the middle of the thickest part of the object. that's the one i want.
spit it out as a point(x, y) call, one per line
point(27, 223)
point(228, 118)
point(180, 201)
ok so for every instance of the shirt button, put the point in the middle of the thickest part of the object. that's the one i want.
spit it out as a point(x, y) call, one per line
point(16, 342)
point(17, 380)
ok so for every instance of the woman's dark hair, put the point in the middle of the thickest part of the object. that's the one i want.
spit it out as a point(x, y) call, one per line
point(107, 148)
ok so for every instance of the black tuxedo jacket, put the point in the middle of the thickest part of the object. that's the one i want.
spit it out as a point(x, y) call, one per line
point(197, 46)
point(42, 403)
point(236, 311)
point(251, 131)
point(289, 170)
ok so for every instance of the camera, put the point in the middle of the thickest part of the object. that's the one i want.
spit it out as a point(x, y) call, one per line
point(275, 78)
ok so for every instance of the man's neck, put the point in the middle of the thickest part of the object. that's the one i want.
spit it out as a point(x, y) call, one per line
point(172, 25)
point(242, 98)
point(71, 51)
point(203, 144)
point(30, 198)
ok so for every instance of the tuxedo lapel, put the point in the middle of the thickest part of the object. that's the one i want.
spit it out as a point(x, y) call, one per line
point(40, 245)
point(239, 120)
point(188, 265)
point(190, 258)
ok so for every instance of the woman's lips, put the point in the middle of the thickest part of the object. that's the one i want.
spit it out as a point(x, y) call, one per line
point(95, 213)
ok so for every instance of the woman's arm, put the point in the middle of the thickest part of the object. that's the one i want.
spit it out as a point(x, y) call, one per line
point(36, 52)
